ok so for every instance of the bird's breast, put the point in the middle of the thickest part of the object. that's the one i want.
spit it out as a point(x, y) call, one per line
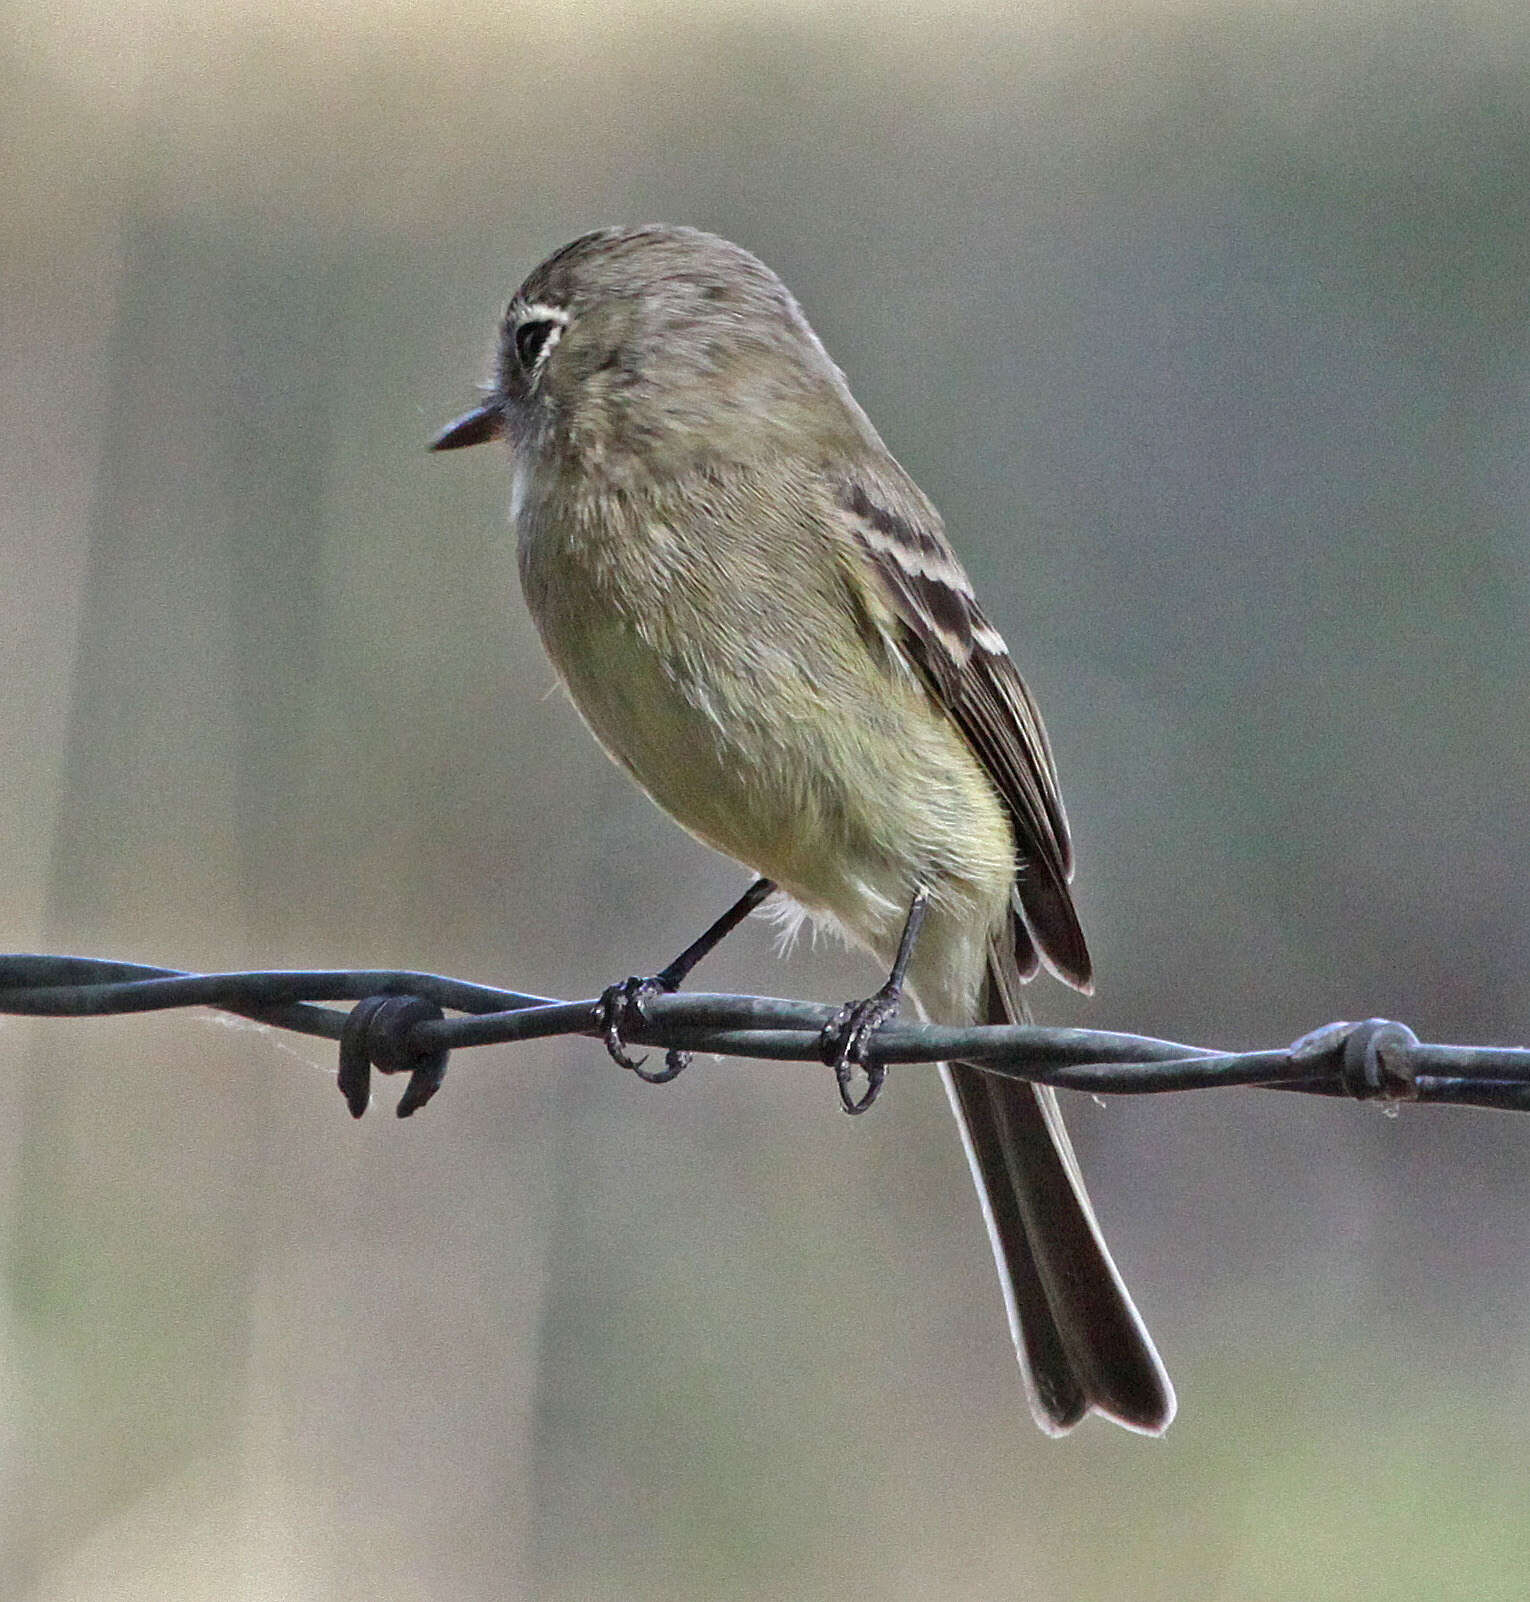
point(722, 668)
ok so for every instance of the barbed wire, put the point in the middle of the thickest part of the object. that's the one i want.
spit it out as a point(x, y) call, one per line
point(399, 1025)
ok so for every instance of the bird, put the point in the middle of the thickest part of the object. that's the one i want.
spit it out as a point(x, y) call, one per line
point(760, 617)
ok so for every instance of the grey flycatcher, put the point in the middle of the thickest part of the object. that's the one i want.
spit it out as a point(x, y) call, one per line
point(758, 615)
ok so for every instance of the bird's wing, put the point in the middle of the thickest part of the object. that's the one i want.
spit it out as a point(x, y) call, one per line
point(966, 666)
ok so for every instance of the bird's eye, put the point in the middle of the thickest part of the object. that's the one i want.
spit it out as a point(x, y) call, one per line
point(531, 340)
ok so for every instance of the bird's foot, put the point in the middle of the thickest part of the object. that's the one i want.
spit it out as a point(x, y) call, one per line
point(621, 1008)
point(846, 1039)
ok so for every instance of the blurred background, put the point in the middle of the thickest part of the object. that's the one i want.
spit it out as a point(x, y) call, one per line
point(1205, 324)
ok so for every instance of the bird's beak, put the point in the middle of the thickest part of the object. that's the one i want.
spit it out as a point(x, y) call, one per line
point(483, 423)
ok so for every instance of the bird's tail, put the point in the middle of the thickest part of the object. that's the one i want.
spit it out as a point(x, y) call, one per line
point(1081, 1342)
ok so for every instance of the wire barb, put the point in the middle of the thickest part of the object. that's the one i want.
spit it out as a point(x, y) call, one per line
point(378, 1034)
point(1373, 1060)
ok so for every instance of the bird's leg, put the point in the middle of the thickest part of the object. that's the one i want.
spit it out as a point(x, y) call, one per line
point(849, 1033)
point(622, 1004)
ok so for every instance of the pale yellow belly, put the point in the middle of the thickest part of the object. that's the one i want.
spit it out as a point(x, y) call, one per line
point(704, 759)
point(848, 812)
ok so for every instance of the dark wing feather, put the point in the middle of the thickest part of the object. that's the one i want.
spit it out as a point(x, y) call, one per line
point(967, 667)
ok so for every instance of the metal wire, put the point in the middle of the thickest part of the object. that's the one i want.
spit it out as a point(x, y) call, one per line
point(1374, 1060)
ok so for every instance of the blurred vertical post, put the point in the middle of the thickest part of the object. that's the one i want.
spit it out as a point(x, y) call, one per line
point(134, 1229)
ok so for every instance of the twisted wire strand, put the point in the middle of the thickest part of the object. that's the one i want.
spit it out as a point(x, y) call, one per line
point(1374, 1059)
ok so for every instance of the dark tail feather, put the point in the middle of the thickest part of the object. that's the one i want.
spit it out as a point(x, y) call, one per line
point(1081, 1343)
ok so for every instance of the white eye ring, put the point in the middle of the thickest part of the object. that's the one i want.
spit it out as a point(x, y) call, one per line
point(537, 330)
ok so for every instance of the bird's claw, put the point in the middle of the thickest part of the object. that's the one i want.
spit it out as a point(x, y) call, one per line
point(846, 1039)
point(620, 1006)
